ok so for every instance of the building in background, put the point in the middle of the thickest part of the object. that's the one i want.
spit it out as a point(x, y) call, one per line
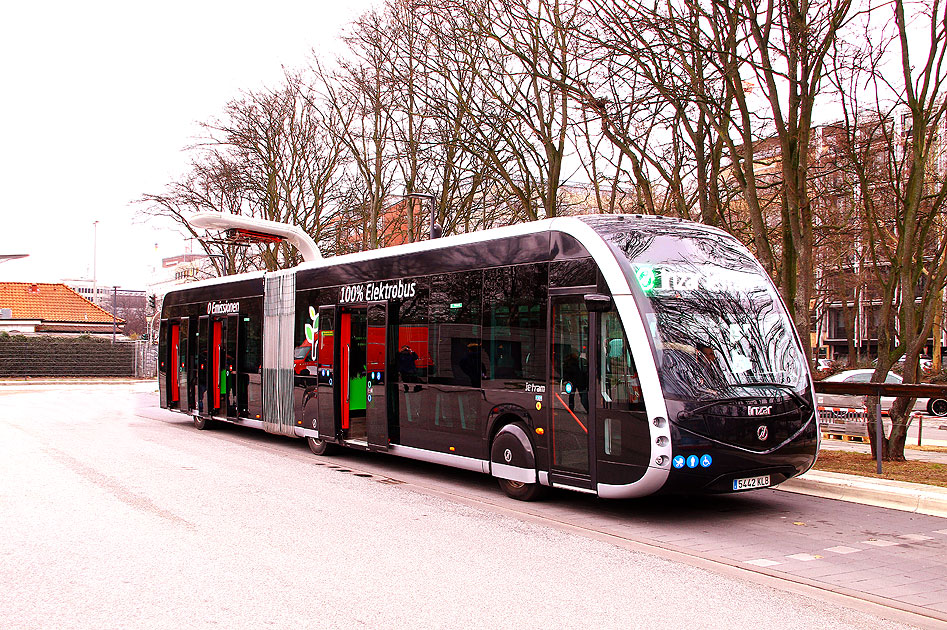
point(126, 304)
point(54, 309)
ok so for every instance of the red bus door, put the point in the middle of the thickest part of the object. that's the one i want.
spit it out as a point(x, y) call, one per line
point(174, 343)
point(216, 343)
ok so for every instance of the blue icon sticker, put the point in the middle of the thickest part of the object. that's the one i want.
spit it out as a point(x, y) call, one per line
point(369, 398)
point(568, 388)
point(678, 461)
point(706, 461)
point(692, 461)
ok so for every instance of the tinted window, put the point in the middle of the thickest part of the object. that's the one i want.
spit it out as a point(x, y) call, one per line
point(306, 337)
point(514, 322)
point(251, 335)
point(455, 329)
point(719, 326)
point(573, 273)
point(411, 317)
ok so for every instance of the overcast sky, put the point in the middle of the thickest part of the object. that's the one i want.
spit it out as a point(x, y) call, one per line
point(98, 101)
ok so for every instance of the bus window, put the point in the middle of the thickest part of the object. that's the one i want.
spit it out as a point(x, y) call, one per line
point(620, 411)
point(620, 388)
point(514, 322)
point(251, 356)
point(414, 355)
point(455, 329)
point(573, 273)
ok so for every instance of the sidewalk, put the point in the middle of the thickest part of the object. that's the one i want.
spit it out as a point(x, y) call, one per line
point(898, 495)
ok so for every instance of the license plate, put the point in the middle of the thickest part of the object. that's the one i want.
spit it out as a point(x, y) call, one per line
point(751, 482)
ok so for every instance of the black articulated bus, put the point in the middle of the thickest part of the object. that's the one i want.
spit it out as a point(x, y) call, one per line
point(613, 354)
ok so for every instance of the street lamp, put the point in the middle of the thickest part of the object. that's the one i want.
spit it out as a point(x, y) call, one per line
point(435, 229)
point(95, 238)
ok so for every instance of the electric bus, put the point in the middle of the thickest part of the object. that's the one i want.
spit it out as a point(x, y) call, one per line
point(619, 355)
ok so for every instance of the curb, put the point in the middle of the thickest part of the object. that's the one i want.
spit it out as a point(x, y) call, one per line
point(118, 380)
point(897, 495)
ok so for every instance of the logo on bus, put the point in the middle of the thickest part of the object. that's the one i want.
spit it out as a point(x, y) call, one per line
point(223, 308)
point(376, 291)
point(765, 410)
point(532, 387)
point(762, 432)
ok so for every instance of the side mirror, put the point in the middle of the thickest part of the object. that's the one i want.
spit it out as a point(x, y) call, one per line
point(598, 302)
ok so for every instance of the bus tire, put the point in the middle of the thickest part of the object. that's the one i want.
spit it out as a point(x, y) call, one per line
point(201, 423)
point(522, 491)
point(513, 463)
point(320, 447)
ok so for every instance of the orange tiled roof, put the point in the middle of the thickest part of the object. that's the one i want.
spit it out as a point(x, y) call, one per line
point(50, 303)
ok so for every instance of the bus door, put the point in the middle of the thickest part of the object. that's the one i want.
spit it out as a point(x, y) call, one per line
point(376, 399)
point(174, 347)
point(353, 372)
point(231, 352)
point(203, 367)
point(218, 381)
point(624, 446)
point(572, 416)
point(183, 350)
point(193, 356)
point(325, 370)
point(163, 371)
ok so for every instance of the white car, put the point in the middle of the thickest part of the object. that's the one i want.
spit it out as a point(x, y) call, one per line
point(933, 406)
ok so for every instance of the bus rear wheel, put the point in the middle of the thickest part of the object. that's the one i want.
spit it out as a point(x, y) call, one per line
point(201, 423)
point(522, 491)
point(320, 447)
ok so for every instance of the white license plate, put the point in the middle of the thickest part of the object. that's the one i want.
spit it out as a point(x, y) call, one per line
point(751, 482)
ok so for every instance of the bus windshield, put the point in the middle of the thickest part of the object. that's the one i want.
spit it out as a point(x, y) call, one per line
point(719, 327)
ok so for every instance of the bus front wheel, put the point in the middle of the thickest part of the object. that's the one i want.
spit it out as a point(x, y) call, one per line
point(522, 491)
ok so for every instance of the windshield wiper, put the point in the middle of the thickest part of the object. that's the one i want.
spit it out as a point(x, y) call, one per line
point(783, 386)
point(721, 401)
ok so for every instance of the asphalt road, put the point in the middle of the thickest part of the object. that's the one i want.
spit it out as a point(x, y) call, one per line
point(117, 514)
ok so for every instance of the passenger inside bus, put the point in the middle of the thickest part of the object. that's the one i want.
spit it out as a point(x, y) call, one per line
point(473, 365)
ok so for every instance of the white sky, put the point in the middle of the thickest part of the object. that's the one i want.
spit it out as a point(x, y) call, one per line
point(98, 100)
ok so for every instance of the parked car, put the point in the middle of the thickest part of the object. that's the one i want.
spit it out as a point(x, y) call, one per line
point(933, 406)
point(824, 366)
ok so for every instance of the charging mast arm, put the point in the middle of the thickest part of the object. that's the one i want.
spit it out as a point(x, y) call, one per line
point(295, 235)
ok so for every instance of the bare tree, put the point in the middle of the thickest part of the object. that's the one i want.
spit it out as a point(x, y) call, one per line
point(895, 131)
point(215, 183)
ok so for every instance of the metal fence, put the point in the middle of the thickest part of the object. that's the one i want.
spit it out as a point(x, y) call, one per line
point(851, 421)
point(28, 357)
point(146, 359)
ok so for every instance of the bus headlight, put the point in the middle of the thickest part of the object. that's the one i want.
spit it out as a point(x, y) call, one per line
point(658, 421)
point(662, 440)
point(661, 460)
